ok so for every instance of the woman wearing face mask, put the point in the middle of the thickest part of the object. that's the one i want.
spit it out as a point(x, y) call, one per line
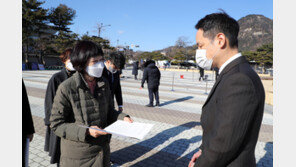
point(84, 100)
point(52, 142)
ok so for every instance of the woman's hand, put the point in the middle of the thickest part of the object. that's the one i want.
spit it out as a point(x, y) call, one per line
point(128, 119)
point(194, 157)
point(96, 133)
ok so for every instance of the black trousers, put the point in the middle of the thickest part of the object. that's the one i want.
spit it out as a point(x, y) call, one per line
point(23, 150)
point(153, 91)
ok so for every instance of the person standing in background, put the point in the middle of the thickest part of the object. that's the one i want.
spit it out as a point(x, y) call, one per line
point(135, 69)
point(201, 73)
point(216, 73)
point(152, 76)
point(114, 63)
point(52, 142)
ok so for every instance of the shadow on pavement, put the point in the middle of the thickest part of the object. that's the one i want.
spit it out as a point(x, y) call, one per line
point(176, 100)
point(135, 151)
point(177, 147)
point(267, 160)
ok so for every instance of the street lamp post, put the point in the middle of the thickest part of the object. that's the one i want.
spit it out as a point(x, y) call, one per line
point(100, 26)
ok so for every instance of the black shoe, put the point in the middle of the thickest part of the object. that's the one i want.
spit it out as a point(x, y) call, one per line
point(157, 104)
point(149, 105)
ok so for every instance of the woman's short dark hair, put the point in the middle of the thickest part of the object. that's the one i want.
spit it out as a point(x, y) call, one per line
point(83, 51)
point(215, 23)
point(66, 55)
point(116, 58)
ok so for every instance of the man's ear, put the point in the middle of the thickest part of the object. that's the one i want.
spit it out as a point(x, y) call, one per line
point(221, 40)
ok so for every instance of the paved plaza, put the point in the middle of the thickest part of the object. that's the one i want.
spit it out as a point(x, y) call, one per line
point(176, 134)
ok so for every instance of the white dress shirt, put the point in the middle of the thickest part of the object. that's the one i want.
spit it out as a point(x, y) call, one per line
point(229, 61)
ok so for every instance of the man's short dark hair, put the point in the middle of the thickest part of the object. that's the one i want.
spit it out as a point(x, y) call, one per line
point(116, 58)
point(148, 61)
point(215, 23)
point(83, 51)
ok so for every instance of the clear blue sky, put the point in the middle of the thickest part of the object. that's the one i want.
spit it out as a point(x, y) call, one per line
point(153, 24)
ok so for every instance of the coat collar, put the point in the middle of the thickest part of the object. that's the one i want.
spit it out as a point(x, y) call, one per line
point(65, 73)
point(239, 60)
point(81, 83)
point(234, 63)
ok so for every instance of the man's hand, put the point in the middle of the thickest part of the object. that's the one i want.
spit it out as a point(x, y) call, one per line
point(120, 109)
point(96, 133)
point(128, 119)
point(30, 136)
point(142, 86)
point(193, 159)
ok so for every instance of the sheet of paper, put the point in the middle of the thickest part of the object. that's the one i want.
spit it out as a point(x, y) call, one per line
point(135, 129)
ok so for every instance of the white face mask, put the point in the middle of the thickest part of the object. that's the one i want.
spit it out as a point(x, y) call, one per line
point(201, 59)
point(112, 70)
point(95, 70)
point(69, 66)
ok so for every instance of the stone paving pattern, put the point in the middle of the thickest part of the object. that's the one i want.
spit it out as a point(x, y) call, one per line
point(176, 134)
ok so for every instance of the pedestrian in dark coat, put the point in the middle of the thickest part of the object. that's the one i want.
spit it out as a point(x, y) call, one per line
point(216, 73)
point(82, 101)
point(152, 76)
point(135, 69)
point(27, 122)
point(52, 142)
point(114, 63)
point(201, 73)
point(232, 114)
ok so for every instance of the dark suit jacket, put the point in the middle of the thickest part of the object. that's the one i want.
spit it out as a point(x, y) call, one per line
point(152, 75)
point(115, 86)
point(231, 118)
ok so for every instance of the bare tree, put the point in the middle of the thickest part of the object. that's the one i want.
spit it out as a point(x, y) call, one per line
point(182, 42)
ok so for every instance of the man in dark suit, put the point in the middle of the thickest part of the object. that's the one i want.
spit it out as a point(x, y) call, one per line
point(115, 61)
point(232, 114)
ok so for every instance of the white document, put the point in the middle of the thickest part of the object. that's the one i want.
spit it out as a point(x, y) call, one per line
point(135, 129)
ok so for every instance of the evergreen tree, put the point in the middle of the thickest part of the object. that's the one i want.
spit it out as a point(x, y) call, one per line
point(62, 16)
point(34, 23)
point(98, 40)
